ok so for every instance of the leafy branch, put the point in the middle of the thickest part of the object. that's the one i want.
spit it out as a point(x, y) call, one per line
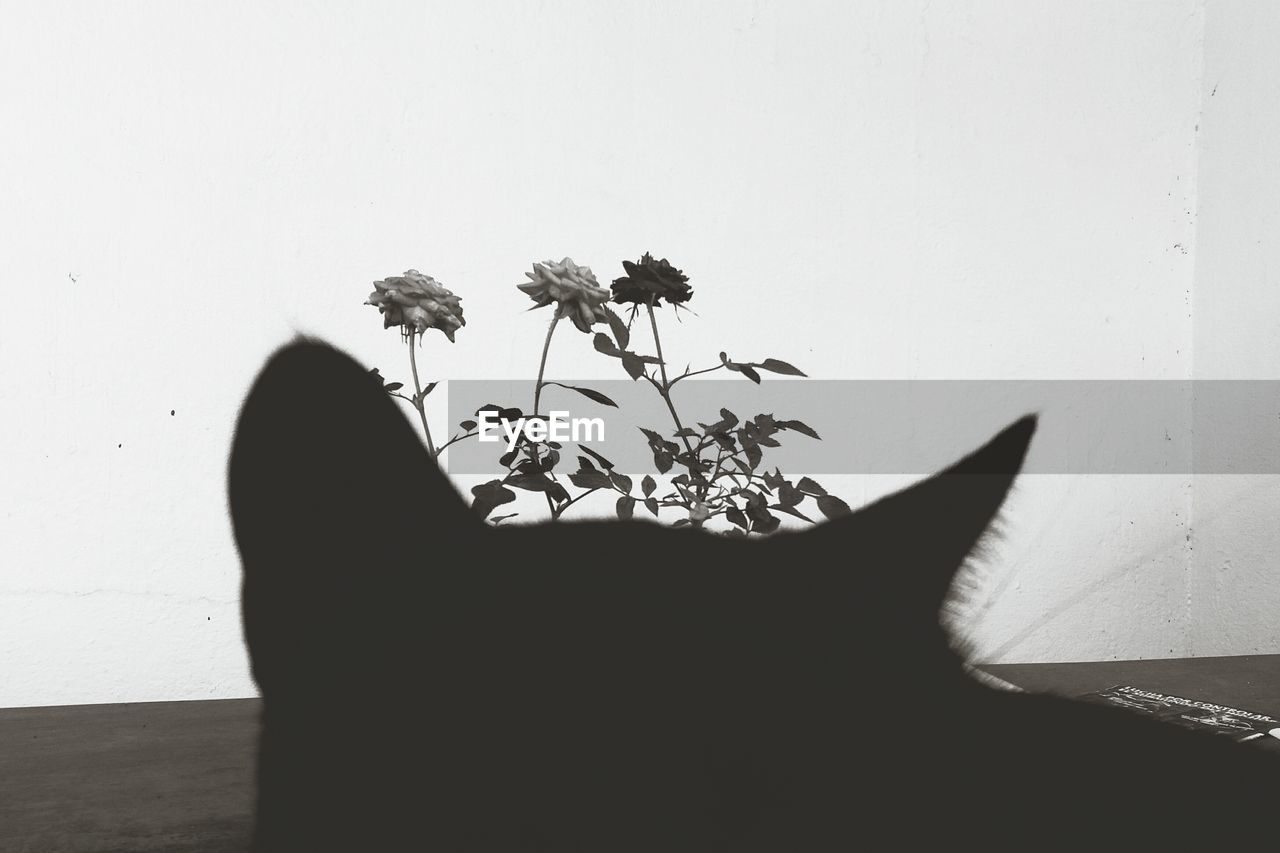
point(721, 464)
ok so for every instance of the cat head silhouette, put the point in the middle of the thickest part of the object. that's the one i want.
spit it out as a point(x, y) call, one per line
point(568, 677)
point(431, 682)
point(332, 489)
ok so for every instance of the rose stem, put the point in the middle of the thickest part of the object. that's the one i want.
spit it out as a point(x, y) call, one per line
point(665, 388)
point(420, 402)
point(665, 391)
point(542, 367)
point(564, 507)
point(537, 396)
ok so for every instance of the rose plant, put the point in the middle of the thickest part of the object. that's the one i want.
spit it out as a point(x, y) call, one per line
point(719, 470)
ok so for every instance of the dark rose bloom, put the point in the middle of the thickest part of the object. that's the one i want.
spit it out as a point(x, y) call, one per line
point(648, 281)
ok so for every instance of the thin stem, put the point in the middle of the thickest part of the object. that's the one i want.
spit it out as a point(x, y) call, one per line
point(684, 492)
point(665, 389)
point(542, 366)
point(537, 397)
point(563, 507)
point(719, 464)
point(455, 440)
point(686, 375)
point(420, 405)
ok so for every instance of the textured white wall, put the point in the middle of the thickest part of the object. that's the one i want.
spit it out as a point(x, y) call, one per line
point(893, 189)
point(1234, 585)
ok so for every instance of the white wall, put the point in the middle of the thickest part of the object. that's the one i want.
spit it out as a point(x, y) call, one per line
point(1235, 582)
point(893, 189)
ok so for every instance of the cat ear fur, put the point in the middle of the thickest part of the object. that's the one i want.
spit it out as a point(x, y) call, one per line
point(926, 532)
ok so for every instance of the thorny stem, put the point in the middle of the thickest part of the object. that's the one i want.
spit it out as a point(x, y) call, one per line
point(420, 403)
point(560, 511)
point(456, 439)
point(719, 463)
point(665, 388)
point(542, 366)
point(665, 391)
point(537, 400)
point(687, 374)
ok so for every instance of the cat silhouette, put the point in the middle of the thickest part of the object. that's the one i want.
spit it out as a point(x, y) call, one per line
point(430, 682)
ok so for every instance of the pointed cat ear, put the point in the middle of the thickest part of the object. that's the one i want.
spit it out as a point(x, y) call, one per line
point(923, 534)
point(326, 470)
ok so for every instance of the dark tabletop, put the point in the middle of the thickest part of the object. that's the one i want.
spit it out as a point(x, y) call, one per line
point(178, 776)
point(1249, 682)
point(172, 776)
